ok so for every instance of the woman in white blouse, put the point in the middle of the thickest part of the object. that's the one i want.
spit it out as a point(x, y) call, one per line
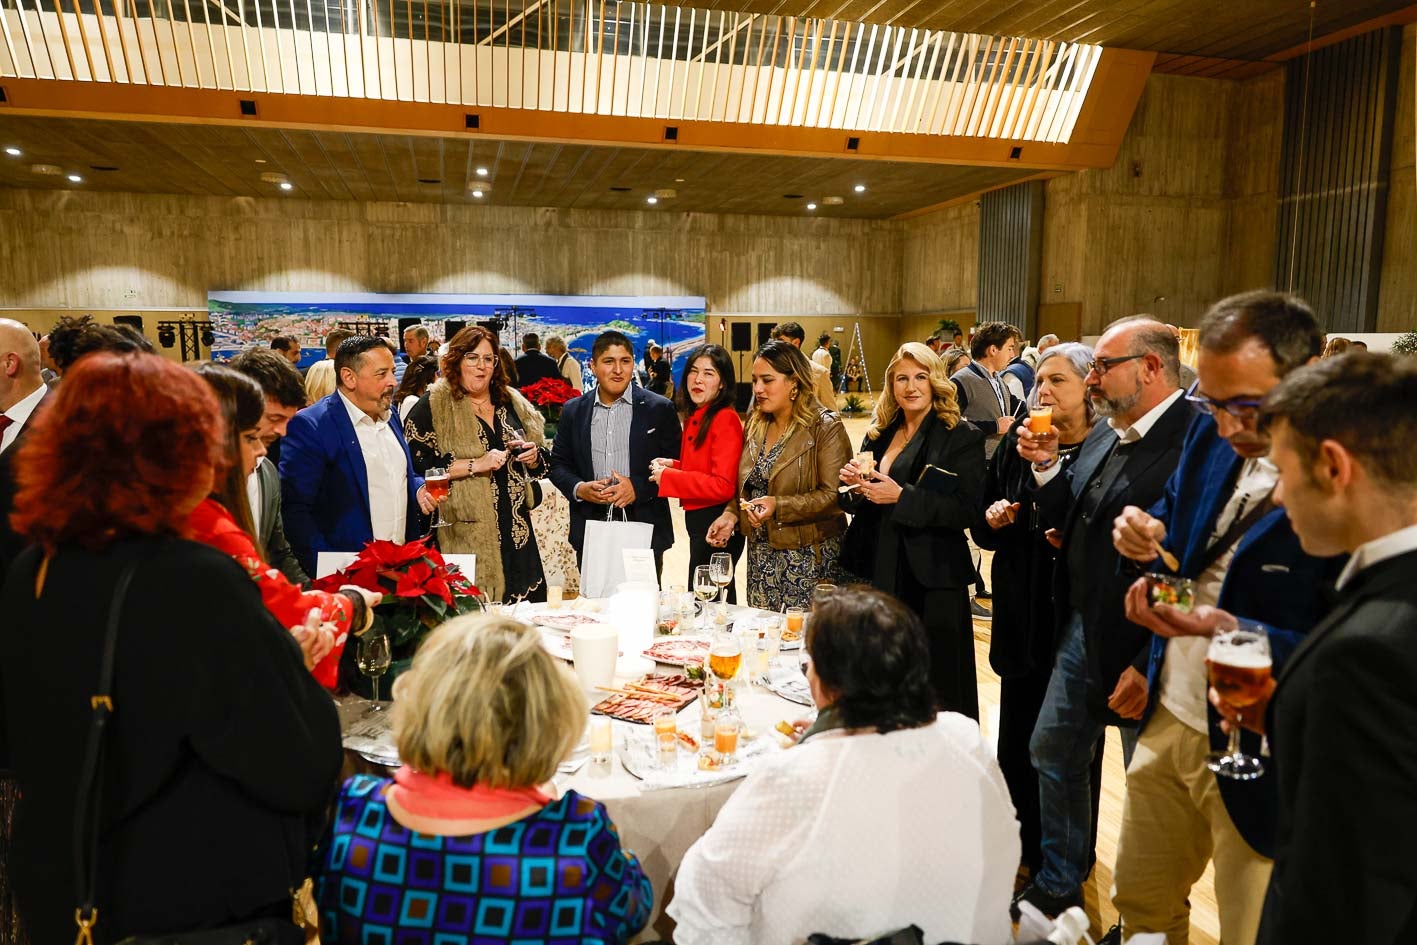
point(885, 815)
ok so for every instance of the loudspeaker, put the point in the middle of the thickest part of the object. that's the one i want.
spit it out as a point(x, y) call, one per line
point(451, 327)
point(742, 336)
point(744, 399)
point(132, 321)
point(765, 332)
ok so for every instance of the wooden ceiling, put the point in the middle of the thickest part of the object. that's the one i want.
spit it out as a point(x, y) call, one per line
point(229, 161)
point(1229, 29)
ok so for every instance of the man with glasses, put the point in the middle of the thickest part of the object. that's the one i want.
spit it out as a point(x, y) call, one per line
point(1218, 518)
point(1098, 671)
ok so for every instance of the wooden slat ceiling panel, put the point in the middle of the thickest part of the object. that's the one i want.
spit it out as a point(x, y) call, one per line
point(1227, 29)
point(228, 161)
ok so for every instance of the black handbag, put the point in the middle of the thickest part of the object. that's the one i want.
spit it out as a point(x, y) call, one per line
point(256, 931)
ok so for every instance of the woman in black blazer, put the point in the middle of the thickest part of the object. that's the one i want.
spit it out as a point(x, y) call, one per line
point(907, 533)
point(222, 750)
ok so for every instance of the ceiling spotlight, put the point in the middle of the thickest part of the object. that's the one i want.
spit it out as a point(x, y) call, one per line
point(286, 185)
point(482, 172)
point(260, 160)
point(75, 179)
point(651, 199)
point(832, 201)
point(811, 206)
point(477, 193)
point(678, 180)
point(13, 152)
point(860, 188)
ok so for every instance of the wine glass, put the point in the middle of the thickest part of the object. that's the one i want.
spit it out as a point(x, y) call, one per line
point(1239, 665)
point(721, 566)
point(436, 481)
point(725, 659)
point(704, 587)
point(373, 660)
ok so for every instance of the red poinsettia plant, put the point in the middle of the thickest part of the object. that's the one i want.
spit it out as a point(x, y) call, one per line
point(420, 588)
point(549, 392)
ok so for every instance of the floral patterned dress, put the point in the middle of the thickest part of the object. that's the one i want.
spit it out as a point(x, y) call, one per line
point(783, 577)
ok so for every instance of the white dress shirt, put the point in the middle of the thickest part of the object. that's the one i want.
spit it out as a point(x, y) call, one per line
point(855, 835)
point(386, 464)
point(1379, 549)
point(253, 494)
point(19, 413)
point(1183, 678)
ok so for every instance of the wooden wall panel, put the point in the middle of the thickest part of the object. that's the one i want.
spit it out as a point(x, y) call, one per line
point(940, 264)
point(1252, 182)
point(1339, 108)
point(119, 250)
point(1397, 303)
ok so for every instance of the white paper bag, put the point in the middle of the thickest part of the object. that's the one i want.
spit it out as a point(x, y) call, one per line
point(603, 564)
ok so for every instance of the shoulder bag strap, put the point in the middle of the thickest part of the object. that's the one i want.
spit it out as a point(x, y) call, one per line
point(86, 823)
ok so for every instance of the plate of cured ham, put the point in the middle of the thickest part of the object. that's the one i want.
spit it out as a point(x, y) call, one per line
point(640, 700)
point(679, 651)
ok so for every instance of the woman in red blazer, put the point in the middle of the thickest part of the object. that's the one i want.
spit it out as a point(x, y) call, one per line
point(705, 476)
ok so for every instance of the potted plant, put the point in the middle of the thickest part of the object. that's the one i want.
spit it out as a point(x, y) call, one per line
point(1406, 345)
point(549, 395)
point(421, 590)
point(854, 404)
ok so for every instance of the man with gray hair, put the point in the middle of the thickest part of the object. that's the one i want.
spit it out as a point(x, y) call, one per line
point(1099, 670)
point(568, 366)
point(21, 391)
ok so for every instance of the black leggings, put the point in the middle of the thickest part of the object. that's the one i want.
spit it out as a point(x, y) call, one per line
point(697, 524)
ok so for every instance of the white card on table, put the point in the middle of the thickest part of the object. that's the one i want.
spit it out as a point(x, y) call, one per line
point(639, 566)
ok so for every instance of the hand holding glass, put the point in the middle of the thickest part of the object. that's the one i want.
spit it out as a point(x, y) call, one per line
point(435, 479)
point(1239, 665)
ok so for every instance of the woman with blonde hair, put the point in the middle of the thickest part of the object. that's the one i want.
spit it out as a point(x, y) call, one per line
point(482, 847)
point(786, 503)
point(910, 508)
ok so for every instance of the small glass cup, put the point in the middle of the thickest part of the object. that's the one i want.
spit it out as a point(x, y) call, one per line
point(666, 737)
point(866, 464)
point(707, 718)
point(554, 596)
point(726, 729)
point(668, 621)
point(1040, 420)
point(602, 739)
point(793, 624)
point(1179, 592)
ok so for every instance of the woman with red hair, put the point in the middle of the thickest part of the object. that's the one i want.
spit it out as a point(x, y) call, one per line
point(219, 739)
point(223, 520)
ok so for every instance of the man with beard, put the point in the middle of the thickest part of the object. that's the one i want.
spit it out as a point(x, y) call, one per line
point(346, 474)
point(1099, 669)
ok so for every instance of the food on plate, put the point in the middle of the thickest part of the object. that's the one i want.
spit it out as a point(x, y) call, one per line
point(1178, 592)
point(652, 688)
point(791, 634)
point(689, 741)
point(710, 763)
point(785, 727)
point(565, 621)
point(680, 652)
point(695, 672)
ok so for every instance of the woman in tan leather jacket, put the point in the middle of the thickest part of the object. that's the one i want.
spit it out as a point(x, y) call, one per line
point(787, 482)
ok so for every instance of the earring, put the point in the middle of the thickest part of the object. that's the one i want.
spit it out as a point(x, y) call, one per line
point(794, 396)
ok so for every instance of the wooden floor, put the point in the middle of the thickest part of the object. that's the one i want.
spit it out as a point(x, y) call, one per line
point(1205, 926)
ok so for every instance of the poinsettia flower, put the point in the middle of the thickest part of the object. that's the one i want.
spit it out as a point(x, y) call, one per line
point(414, 581)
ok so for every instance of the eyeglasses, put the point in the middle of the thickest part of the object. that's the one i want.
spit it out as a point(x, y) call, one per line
point(1241, 408)
point(1103, 365)
point(488, 359)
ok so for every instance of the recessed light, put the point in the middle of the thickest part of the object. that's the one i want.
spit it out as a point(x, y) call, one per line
point(260, 160)
point(75, 179)
point(678, 180)
point(482, 172)
point(811, 206)
point(477, 193)
point(651, 199)
point(286, 185)
point(860, 188)
point(14, 152)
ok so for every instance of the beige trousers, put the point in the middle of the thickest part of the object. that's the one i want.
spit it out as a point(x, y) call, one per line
point(1173, 822)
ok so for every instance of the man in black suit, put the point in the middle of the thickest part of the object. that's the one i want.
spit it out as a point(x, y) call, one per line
point(22, 390)
point(1099, 671)
point(532, 365)
point(1342, 720)
point(605, 442)
point(285, 396)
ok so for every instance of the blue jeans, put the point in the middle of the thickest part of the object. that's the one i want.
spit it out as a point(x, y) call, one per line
point(1061, 749)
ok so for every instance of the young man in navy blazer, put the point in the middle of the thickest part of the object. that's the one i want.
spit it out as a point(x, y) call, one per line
point(1218, 518)
point(345, 471)
point(1341, 718)
point(605, 442)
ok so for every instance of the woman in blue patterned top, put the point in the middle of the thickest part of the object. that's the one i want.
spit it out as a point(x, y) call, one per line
point(467, 843)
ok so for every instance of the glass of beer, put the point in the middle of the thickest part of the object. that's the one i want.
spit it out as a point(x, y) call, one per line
point(1239, 665)
point(1040, 420)
point(725, 659)
point(436, 481)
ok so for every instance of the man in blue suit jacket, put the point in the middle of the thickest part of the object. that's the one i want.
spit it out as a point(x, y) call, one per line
point(605, 442)
point(1217, 517)
point(345, 471)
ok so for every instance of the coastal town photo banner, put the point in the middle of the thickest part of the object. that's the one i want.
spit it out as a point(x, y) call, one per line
point(241, 319)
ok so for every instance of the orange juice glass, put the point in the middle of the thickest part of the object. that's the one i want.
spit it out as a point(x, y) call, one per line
point(1040, 420)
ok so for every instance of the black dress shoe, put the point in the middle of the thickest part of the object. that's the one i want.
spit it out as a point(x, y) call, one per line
point(1049, 905)
point(983, 594)
point(1113, 936)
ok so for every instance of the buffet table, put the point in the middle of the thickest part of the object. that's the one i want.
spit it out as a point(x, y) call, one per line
point(659, 816)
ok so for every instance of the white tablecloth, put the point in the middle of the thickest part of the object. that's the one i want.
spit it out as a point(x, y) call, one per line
point(658, 826)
